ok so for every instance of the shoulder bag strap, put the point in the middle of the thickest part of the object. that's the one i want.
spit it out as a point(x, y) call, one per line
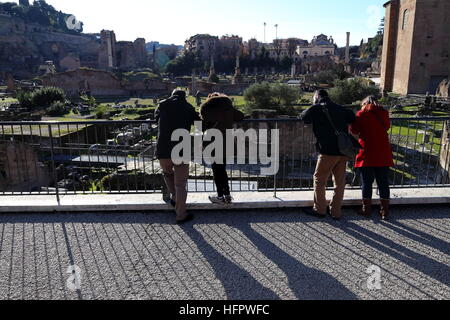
point(325, 110)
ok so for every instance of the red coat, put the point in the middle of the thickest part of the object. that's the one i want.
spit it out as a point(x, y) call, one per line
point(372, 126)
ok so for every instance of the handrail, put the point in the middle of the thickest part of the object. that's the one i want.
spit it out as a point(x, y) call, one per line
point(106, 122)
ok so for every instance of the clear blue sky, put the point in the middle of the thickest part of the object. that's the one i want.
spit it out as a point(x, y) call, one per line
point(173, 21)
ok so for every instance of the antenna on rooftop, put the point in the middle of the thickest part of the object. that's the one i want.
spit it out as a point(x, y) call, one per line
point(276, 32)
point(265, 25)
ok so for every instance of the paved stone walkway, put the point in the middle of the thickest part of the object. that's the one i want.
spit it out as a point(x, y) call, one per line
point(264, 254)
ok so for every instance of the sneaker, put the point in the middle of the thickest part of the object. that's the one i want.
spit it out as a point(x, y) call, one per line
point(228, 199)
point(217, 200)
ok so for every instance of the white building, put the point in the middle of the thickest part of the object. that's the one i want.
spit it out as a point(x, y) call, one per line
point(321, 45)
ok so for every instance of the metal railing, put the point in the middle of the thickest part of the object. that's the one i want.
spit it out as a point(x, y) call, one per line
point(104, 157)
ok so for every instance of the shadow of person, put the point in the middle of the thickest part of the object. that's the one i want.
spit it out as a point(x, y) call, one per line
point(430, 267)
point(419, 236)
point(306, 283)
point(238, 283)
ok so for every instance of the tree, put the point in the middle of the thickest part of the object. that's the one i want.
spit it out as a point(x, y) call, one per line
point(183, 65)
point(267, 96)
point(39, 12)
point(57, 109)
point(45, 97)
point(286, 63)
point(381, 27)
point(352, 90)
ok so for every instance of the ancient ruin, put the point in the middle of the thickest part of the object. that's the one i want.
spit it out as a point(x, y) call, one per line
point(104, 84)
point(24, 46)
point(416, 51)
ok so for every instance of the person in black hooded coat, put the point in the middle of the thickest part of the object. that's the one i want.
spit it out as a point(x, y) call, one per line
point(218, 113)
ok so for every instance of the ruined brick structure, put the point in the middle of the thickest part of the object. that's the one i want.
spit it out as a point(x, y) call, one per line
point(26, 46)
point(125, 55)
point(416, 50)
point(20, 168)
point(206, 88)
point(103, 84)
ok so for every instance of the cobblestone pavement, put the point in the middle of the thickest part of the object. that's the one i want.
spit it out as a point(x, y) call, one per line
point(276, 254)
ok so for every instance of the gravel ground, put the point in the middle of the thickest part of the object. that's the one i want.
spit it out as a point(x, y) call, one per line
point(260, 254)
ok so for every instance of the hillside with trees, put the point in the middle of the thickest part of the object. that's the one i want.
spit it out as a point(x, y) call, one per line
point(39, 12)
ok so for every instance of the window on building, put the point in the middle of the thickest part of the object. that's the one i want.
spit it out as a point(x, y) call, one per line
point(405, 19)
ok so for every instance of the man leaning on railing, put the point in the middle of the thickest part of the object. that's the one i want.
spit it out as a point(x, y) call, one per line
point(173, 114)
point(328, 120)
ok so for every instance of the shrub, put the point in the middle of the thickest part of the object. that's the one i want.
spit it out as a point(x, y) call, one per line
point(259, 95)
point(45, 97)
point(57, 109)
point(352, 90)
point(89, 101)
point(277, 97)
point(100, 114)
point(25, 99)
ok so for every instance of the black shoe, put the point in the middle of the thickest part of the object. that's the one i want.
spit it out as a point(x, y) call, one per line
point(172, 203)
point(314, 213)
point(188, 218)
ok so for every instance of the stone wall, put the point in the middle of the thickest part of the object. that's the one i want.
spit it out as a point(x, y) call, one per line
point(416, 54)
point(103, 84)
point(206, 88)
point(20, 168)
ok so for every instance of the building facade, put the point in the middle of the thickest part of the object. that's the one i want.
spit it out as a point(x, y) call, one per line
point(206, 44)
point(321, 45)
point(416, 48)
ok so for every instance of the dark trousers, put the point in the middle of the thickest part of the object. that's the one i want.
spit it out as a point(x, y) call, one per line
point(221, 179)
point(381, 175)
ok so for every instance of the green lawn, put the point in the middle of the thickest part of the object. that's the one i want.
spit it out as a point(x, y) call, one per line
point(8, 100)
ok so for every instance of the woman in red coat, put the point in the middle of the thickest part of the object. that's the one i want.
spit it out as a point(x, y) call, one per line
point(375, 159)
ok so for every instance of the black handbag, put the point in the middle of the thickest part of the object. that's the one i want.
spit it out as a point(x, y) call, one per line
point(347, 144)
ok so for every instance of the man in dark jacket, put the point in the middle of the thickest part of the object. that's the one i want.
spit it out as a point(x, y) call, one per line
point(172, 114)
point(331, 161)
point(218, 113)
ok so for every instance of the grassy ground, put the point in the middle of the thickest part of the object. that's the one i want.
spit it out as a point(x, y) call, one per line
point(8, 100)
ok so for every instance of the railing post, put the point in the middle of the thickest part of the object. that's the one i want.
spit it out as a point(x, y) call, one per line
point(275, 176)
point(55, 176)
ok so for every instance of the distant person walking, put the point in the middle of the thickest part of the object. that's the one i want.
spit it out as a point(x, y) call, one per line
point(172, 114)
point(375, 159)
point(198, 99)
point(218, 113)
point(331, 161)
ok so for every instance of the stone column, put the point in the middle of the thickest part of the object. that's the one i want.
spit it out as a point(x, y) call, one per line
point(347, 50)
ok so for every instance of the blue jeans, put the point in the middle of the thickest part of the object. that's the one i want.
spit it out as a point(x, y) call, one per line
point(369, 175)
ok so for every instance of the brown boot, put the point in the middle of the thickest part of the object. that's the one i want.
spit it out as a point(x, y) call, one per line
point(366, 210)
point(384, 212)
